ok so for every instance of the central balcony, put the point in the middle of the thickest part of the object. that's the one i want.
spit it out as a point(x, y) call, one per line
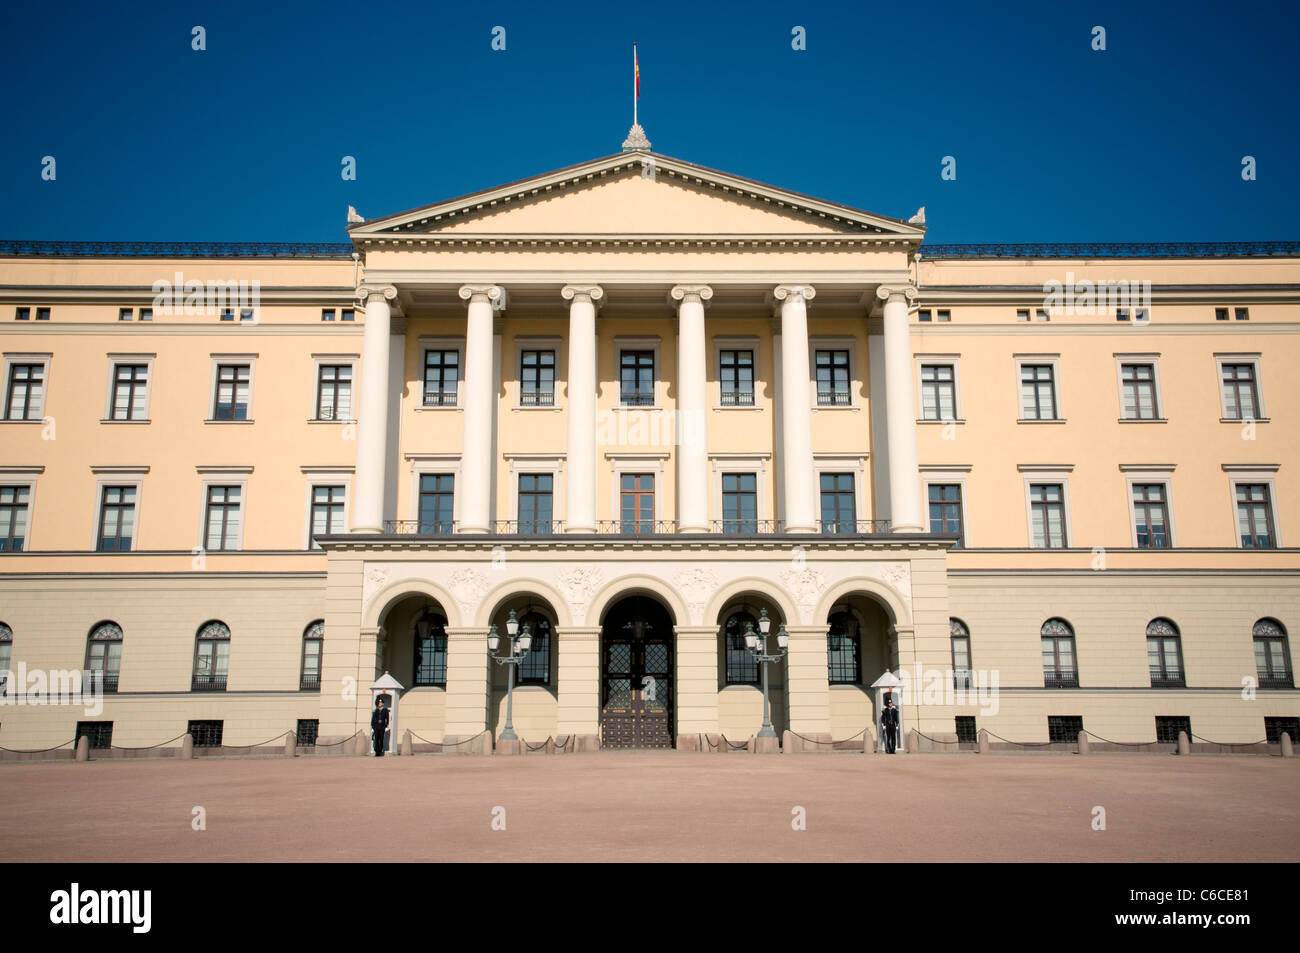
point(634, 527)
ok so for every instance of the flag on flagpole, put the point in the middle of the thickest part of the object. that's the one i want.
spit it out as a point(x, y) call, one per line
point(636, 69)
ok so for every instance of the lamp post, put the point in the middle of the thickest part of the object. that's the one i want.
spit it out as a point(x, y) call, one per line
point(757, 644)
point(521, 640)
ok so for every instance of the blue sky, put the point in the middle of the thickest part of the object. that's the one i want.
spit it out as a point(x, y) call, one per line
point(1053, 141)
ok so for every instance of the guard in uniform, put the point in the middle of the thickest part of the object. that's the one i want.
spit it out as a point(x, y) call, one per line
point(379, 727)
point(889, 724)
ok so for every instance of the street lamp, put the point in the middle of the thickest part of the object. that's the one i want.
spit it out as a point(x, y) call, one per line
point(521, 640)
point(757, 644)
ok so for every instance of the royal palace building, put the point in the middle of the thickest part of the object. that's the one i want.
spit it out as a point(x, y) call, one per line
point(646, 408)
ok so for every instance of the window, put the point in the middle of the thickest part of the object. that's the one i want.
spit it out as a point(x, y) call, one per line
point(537, 379)
point(125, 314)
point(1240, 391)
point(1064, 729)
point(739, 503)
point(313, 640)
point(221, 517)
point(1274, 727)
point(832, 378)
point(1255, 516)
point(116, 519)
point(6, 650)
point(961, 664)
point(327, 504)
point(843, 659)
point(945, 509)
point(130, 392)
point(838, 503)
point(104, 655)
point(437, 496)
point(1151, 516)
point(441, 377)
point(535, 668)
point(967, 734)
point(99, 734)
point(741, 666)
point(430, 649)
point(1241, 314)
point(1139, 391)
point(1168, 727)
point(924, 315)
point(1272, 655)
point(637, 502)
point(637, 378)
point(736, 378)
point(146, 314)
point(206, 734)
point(1121, 314)
point(308, 731)
point(1165, 655)
point(1058, 655)
point(1038, 392)
point(327, 314)
point(938, 392)
point(347, 314)
point(1022, 314)
point(1042, 315)
point(227, 314)
point(211, 658)
point(22, 314)
point(25, 399)
point(1047, 516)
point(535, 503)
point(42, 314)
point(1220, 314)
point(334, 392)
point(13, 518)
point(233, 389)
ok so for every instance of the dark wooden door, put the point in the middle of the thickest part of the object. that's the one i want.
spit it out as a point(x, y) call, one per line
point(637, 696)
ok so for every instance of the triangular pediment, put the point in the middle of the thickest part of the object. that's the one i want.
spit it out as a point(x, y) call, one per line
point(636, 196)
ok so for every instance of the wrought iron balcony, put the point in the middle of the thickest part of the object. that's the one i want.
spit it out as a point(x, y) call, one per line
point(208, 683)
point(1060, 679)
point(836, 527)
point(637, 399)
point(738, 398)
point(420, 527)
point(96, 680)
point(536, 398)
point(839, 397)
point(440, 397)
point(747, 527)
point(636, 527)
point(528, 527)
point(1167, 680)
point(1277, 681)
point(309, 683)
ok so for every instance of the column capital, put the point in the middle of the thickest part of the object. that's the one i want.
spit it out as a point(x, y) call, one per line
point(593, 294)
point(690, 293)
point(368, 293)
point(794, 292)
point(889, 292)
point(494, 294)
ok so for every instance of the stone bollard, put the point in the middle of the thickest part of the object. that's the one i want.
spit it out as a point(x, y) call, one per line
point(913, 743)
point(550, 746)
point(363, 745)
point(406, 743)
point(723, 747)
point(767, 745)
point(1285, 740)
point(187, 747)
point(868, 742)
point(1184, 746)
point(290, 744)
point(750, 745)
point(1083, 742)
point(984, 741)
point(787, 742)
point(83, 748)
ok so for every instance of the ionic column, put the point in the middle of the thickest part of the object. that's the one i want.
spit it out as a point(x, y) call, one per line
point(692, 409)
point(580, 463)
point(900, 410)
point(475, 488)
point(797, 488)
point(372, 416)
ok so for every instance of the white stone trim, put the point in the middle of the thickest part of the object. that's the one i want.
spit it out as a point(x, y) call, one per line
point(843, 462)
point(638, 343)
point(442, 343)
point(836, 342)
point(119, 476)
point(735, 343)
point(209, 413)
point(19, 476)
point(1055, 361)
point(326, 476)
point(1151, 473)
point(352, 360)
point(222, 476)
point(954, 360)
point(1221, 358)
point(947, 473)
point(1047, 473)
point(1265, 473)
point(422, 463)
point(548, 342)
point(1152, 358)
point(756, 463)
point(115, 359)
point(552, 463)
point(44, 358)
point(645, 462)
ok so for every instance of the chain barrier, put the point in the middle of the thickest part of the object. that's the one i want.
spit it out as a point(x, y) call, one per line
point(150, 747)
point(36, 750)
point(816, 742)
point(335, 744)
point(1231, 744)
point(1022, 744)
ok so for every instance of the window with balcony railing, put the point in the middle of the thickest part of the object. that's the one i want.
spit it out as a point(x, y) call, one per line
point(1272, 655)
point(1059, 669)
point(537, 379)
point(637, 378)
point(441, 377)
point(1165, 655)
point(736, 378)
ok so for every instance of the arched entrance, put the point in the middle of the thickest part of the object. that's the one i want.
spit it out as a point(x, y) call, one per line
point(636, 655)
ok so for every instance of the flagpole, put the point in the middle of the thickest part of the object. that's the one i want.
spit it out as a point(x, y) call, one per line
point(634, 65)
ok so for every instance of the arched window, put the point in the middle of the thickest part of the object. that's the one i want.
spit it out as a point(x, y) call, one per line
point(742, 667)
point(104, 655)
point(843, 658)
point(961, 664)
point(1165, 654)
point(1272, 655)
point(6, 645)
point(535, 669)
point(1059, 669)
point(313, 639)
point(211, 657)
point(431, 649)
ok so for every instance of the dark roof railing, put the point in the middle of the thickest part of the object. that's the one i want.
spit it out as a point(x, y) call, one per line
point(1115, 250)
point(10, 248)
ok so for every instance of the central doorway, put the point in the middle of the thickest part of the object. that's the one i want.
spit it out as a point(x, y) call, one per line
point(636, 651)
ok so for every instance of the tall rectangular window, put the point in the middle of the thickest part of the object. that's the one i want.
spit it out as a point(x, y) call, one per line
point(838, 501)
point(1047, 516)
point(25, 399)
point(535, 503)
point(441, 378)
point(1255, 516)
point(1151, 515)
point(1240, 393)
point(116, 518)
point(961, 664)
point(1037, 392)
point(945, 509)
point(334, 392)
point(537, 379)
point(222, 517)
point(13, 518)
point(1165, 660)
point(739, 503)
point(1059, 670)
point(437, 497)
point(130, 390)
point(832, 378)
point(233, 389)
point(327, 504)
point(736, 378)
point(637, 378)
point(1272, 658)
point(1139, 398)
point(637, 502)
point(938, 392)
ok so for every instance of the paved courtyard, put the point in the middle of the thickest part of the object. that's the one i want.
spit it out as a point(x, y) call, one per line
point(657, 806)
